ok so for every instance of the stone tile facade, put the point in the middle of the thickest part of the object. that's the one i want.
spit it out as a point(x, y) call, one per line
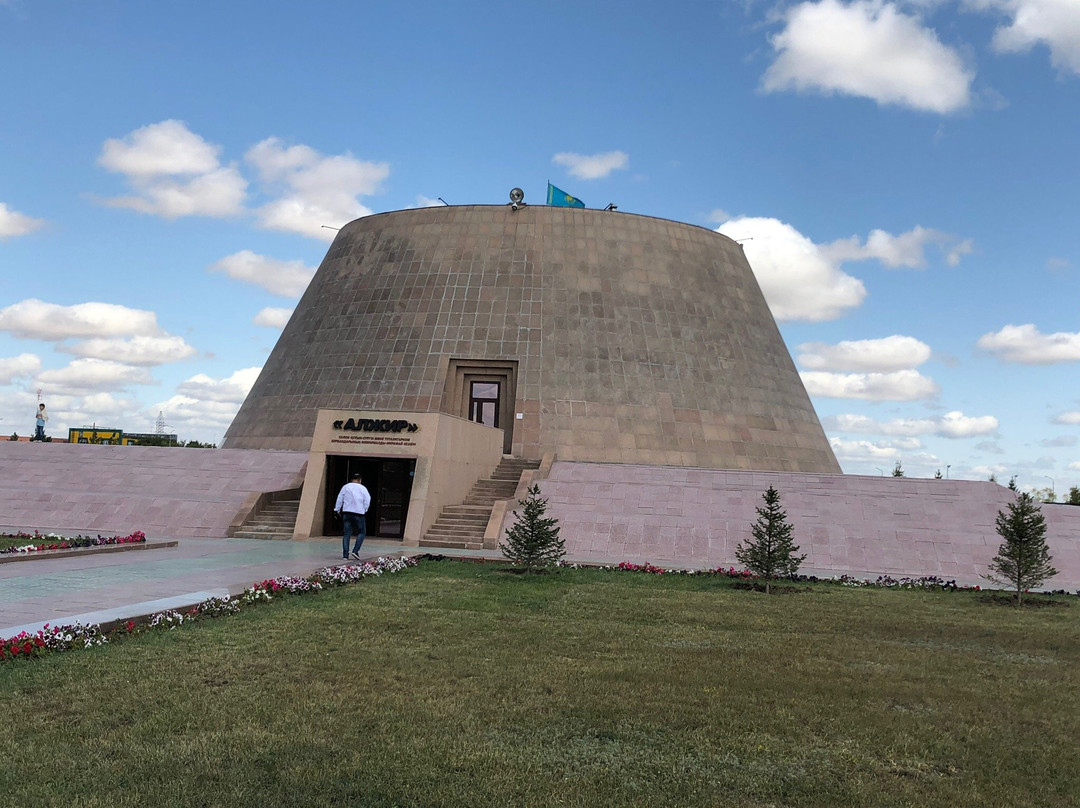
point(843, 523)
point(164, 492)
point(630, 338)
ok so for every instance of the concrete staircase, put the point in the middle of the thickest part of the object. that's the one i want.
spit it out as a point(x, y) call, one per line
point(462, 526)
point(274, 521)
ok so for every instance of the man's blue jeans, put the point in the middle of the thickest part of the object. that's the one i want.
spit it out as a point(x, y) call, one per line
point(354, 524)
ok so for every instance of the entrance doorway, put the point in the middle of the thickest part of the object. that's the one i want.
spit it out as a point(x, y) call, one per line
point(388, 479)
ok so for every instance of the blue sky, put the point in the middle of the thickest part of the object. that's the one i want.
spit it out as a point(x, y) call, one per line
point(904, 176)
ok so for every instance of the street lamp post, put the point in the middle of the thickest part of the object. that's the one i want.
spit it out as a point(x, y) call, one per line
point(947, 467)
point(1053, 493)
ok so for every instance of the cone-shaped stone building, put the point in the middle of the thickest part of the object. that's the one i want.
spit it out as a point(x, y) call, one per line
point(596, 335)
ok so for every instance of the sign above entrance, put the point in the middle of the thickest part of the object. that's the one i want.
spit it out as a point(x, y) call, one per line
point(376, 433)
point(375, 425)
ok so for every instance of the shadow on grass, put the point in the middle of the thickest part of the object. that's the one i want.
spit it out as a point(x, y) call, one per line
point(1029, 602)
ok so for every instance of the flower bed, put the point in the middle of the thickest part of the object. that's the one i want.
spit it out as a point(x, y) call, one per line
point(39, 542)
point(883, 581)
point(68, 637)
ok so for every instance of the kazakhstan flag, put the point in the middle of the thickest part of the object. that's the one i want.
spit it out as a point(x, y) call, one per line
point(561, 199)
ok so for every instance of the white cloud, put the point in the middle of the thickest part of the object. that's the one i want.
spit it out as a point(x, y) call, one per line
point(591, 166)
point(887, 354)
point(13, 223)
point(99, 408)
point(161, 148)
point(870, 426)
point(1052, 23)
point(1025, 345)
point(900, 385)
point(203, 404)
point(283, 278)
point(884, 455)
point(316, 190)
point(139, 350)
point(272, 317)
point(903, 250)
point(1059, 441)
point(951, 425)
point(219, 194)
point(192, 414)
point(19, 367)
point(863, 450)
point(86, 376)
point(958, 425)
point(35, 319)
point(231, 390)
point(174, 173)
point(958, 251)
point(1068, 418)
point(1075, 466)
point(868, 49)
point(798, 280)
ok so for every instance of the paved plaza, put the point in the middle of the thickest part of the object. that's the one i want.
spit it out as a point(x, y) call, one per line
point(108, 587)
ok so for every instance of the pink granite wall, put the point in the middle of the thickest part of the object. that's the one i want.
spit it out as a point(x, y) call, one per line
point(844, 523)
point(165, 492)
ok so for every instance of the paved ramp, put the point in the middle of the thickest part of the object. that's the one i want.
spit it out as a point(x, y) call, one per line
point(164, 492)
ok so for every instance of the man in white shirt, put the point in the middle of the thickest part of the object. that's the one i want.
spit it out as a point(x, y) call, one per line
point(352, 503)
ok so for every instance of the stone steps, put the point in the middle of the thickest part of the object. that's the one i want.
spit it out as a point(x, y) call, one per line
point(275, 521)
point(463, 526)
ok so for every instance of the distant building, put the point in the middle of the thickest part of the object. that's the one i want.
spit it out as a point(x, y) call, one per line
point(108, 436)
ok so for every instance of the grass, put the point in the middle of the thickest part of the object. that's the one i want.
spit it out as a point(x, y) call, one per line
point(7, 541)
point(462, 685)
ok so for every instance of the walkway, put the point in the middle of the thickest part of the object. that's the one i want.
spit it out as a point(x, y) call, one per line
point(107, 587)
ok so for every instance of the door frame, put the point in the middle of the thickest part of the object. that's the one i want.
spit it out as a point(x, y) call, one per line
point(457, 393)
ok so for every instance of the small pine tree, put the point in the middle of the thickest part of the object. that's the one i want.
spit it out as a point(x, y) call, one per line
point(1023, 560)
point(1074, 496)
point(533, 540)
point(992, 478)
point(898, 470)
point(770, 552)
point(1012, 483)
point(937, 474)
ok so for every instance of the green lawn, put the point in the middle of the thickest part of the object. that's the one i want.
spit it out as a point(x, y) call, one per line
point(463, 685)
point(8, 540)
point(11, 541)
